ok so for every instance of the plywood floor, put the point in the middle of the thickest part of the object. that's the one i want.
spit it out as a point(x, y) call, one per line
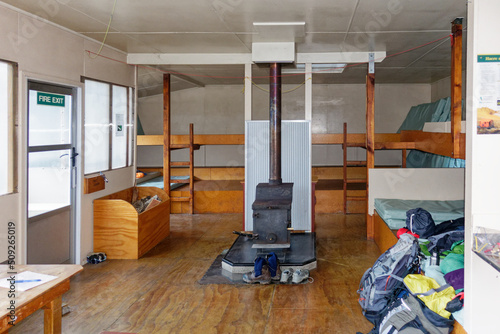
point(160, 294)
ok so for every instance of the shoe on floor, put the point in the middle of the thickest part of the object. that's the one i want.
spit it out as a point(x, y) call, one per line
point(286, 275)
point(299, 275)
point(274, 266)
point(260, 274)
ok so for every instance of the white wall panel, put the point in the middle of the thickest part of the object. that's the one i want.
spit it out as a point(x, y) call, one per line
point(416, 183)
point(100, 68)
point(8, 37)
point(225, 155)
point(442, 88)
point(9, 206)
point(224, 110)
point(49, 50)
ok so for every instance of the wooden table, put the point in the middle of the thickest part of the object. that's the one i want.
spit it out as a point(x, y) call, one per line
point(47, 296)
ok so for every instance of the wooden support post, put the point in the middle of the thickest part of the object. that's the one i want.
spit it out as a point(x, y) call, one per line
point(403, 163)
point(456, 86)
point(370, 143)
point(166, 133)
point(344, 169)
point(191, 168)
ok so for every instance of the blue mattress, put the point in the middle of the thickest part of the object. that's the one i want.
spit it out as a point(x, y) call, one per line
point(393, 211)
point(438, 111)
point(158, 182)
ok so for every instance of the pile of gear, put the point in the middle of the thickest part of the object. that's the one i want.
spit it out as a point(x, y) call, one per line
point(95, 258)
point(416, 286)
point(146, 203)
point(267, 269)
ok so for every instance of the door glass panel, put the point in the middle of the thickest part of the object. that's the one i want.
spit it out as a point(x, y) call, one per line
point(49, 181)
point(119, 143)
point(49, 118)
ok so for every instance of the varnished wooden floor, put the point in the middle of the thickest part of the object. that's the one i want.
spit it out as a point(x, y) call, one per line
point(160, 294)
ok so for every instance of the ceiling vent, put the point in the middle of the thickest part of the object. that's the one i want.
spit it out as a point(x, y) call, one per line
point(274, 42)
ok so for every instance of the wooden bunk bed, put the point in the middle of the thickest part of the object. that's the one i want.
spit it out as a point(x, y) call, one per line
point(228, 202)
point(434, 184)
point(446, 144)
point(169, 145)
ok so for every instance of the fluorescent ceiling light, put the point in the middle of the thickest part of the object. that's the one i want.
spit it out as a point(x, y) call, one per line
point(316, 68)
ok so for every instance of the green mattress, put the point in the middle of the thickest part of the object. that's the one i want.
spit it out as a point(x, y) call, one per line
point(393, 211)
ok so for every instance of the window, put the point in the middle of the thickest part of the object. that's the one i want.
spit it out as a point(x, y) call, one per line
point(8, 74)
point(108, 126)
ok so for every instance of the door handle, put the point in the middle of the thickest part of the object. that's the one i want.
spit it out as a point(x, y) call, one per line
point(73, 157)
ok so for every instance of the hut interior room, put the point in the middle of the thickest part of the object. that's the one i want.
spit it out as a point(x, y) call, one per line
point(153, 152)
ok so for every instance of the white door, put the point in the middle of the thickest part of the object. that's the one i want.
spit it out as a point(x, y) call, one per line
point(51, 173)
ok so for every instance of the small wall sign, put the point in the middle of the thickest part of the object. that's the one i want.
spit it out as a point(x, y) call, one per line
point(50, 99)
point(488, 94)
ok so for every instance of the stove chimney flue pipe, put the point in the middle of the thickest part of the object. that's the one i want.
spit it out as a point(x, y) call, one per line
point(275, 124)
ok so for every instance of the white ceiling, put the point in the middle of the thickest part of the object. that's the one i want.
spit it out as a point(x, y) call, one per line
point(226, 26)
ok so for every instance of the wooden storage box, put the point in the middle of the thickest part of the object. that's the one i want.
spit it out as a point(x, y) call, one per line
point(121, 232)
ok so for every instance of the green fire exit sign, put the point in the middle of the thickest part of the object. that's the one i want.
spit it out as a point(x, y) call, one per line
point(50, 99)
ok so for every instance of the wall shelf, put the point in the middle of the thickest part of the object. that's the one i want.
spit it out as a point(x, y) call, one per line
point(494, 262)
point(486, 244)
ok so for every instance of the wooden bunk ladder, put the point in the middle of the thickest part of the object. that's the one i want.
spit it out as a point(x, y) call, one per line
point(168, 146)
point(192, 147)
point(350, 163)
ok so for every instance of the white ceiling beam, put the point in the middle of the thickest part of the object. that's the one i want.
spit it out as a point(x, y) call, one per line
point(189, 58)
point(338, 57)
point(245, 58)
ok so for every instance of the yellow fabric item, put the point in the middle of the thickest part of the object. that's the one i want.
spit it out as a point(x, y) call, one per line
point(437, 301)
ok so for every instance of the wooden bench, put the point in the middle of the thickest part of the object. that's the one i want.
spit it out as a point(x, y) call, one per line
point(121, 232)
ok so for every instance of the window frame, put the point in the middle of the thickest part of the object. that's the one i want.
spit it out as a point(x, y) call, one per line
point(13, 145)
point(130, 119)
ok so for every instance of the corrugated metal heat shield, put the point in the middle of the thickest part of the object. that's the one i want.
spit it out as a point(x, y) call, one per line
point(295, 164)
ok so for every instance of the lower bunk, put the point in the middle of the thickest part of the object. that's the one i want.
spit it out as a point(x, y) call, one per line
point(391, 213)
point(330, 196)
point(215, 195)
point(211, 196)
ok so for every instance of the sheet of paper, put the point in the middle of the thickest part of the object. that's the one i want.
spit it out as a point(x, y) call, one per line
point(488, 94)
point(25, 280)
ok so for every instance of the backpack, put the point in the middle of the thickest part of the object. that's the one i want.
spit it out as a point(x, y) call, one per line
point(381, 283)
point(420, 221)
point(408, 315)
point(435, 297)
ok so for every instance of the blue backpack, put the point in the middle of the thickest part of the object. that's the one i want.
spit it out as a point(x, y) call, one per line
point(381, 284)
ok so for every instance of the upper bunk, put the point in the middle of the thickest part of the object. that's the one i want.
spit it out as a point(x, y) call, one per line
point(449, 142)
point(436, 141)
